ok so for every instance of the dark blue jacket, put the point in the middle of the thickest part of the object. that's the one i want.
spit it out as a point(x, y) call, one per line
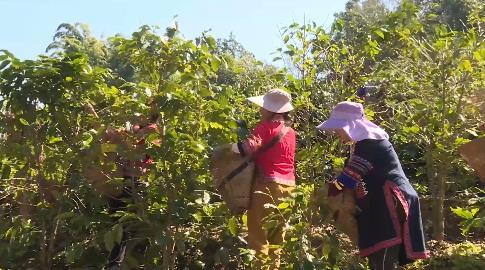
point(390, 211)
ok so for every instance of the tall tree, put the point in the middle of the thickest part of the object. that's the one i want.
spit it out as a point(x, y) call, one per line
point(453, 13)
point(77, 38)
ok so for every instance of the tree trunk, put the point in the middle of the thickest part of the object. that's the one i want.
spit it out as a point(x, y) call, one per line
point(44, 261)
point(168, 255)
point(438, 206)
point(436, 181)
point(168, 249)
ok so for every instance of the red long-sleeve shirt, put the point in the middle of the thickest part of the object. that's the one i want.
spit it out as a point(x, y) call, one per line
point(277, 163)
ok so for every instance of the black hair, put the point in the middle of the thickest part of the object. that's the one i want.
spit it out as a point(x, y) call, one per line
point(287, 117)
point(154, 117)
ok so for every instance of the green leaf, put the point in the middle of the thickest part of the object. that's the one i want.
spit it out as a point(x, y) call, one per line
point(153, 138)
point(87, 139)
point(54, 139)
point(338, 162)
point(215, 63)
point(127, 216)
point(198, 216)
point(215, 125)
point(478, 55)
point(270, 225)
point(118, 233)
point(465, 65)
point(379, 33)
point(461, 141)
point(464, 213)
point(413, 129)
point(4, 64)
point(74, 252)
point(68, 79)
point(6, 170)
point(286, 38)
point(339, 24)
point(211, 41)
point(245, 220)
point(24, 122)
point(283, 205)
point(108, 241)
point(199, 264)
point(65, 215)
point(369, 114)
point(307, 265)
point(344, 50)
point(204, 91)
point(432, 16)
point(233, 226)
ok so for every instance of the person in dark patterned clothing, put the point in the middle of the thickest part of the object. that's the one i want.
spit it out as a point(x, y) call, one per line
point(389, 223)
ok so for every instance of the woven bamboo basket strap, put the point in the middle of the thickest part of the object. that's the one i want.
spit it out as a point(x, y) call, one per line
point(250, 157)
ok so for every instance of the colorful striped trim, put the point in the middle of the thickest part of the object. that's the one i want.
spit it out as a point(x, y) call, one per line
point(381, 245)
point(361, 163)
point(355, 175)
point(347, 180)
point(391, 188)
point(402, 236)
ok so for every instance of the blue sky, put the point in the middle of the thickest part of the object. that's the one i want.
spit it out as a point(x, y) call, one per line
point(27, 26)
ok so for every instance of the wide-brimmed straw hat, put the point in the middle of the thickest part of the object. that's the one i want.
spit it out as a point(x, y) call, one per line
point(275, 100)
point(349, 116)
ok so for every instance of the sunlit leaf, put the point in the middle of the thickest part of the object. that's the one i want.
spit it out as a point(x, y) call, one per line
point(233, 226)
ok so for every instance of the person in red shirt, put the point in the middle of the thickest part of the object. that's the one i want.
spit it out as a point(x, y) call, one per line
point(126, 147)
point(139, 167)
point(133, 167)
point(276, 170)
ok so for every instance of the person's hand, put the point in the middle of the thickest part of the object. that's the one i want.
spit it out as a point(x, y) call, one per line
point(144, 131)
point(360, 191)
point(109, 133)
point(136, 128)
point(88, 108)
point(335, 188)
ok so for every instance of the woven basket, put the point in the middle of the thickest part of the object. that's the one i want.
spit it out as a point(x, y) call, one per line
point(341, 209)
point(236, 193)
point(474, 154)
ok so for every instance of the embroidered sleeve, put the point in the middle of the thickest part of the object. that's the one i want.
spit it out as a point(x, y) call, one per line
point(351, 176)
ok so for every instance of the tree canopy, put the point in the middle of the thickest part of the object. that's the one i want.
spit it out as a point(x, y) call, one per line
point(426, 59)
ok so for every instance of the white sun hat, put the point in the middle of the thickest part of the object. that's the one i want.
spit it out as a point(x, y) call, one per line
point(275, 100)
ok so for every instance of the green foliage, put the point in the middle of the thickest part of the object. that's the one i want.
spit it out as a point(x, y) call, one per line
point(473, 216)
point(462, 256)
point(53, 217)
